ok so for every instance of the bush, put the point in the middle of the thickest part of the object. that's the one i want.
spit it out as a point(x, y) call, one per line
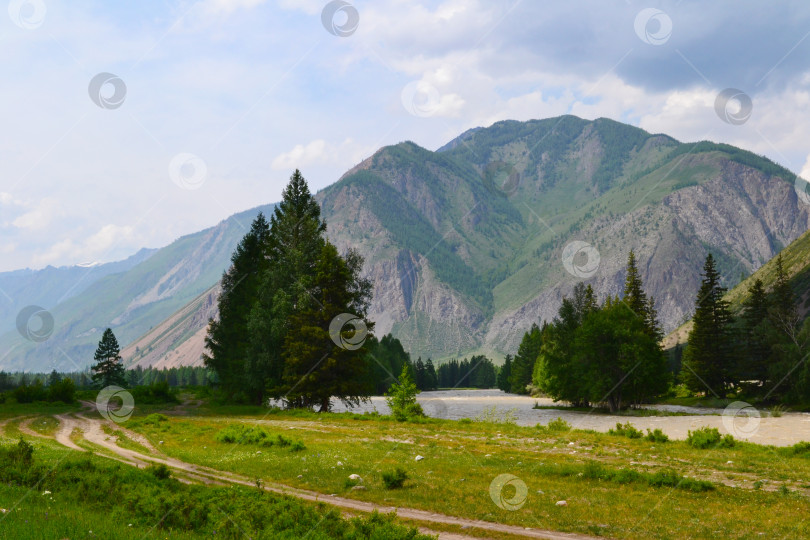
point(558, 424)
point(656, 436)
point(63, 390)
point(159, 471)
point(706, 437)
point(626, 430)
point(30, 393)
point(156, 393)
point(594, 470)
point(242, 434)
point(394, 479)
point(401, 398)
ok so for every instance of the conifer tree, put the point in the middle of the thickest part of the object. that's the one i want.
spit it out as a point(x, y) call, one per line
point(755, 333)
point(226, 342)
point(109, 367)
point(505, 374)
point(783, 312)
point(316, 368)
point(709, 355)
point(523, 362)
point(294, 245)
point(634, 295)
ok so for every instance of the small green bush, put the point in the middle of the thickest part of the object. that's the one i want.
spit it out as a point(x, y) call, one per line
point(401, 398)
point(558, 424)
point(656, 436)
point(159, 471)
point(242, 434)
point(706, 437)
point(626, 430)
point(394, 479)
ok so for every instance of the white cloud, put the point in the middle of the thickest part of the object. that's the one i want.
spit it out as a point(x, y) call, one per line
point(320, 152)
point(92, 248)
point(40, 216)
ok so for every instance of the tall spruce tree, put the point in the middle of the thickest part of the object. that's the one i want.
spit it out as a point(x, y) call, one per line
point(316, 368)
point(753, 367)
point(227, 346)
point(710, 353)
point(783, 312)
point(505, 374)
point(634, 295)
point(293, 248)
point(523, 362)
point(109, 367)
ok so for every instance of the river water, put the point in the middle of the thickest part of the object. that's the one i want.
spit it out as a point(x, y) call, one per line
point(748, 424)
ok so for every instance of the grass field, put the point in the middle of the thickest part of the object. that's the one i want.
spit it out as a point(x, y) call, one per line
point(613, 486)
point(66, 494)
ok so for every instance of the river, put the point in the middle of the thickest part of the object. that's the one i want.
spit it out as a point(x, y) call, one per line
point(749, 424)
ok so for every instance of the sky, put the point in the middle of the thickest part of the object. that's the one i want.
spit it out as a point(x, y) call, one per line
point(128, 124)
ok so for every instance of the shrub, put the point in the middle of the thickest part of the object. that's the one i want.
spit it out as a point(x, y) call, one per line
point(401, 398)
point(626, 430)
point(29, 393)
point(64, 390)
point(156, 393)
point(242, 434)
point(706, 437)
point(558, 424)
point(159, 471)
point(656, 436)
point(394, 479)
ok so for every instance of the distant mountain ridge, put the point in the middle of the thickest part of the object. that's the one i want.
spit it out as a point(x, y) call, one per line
point(132, 301)
point(462, 264)
point(51, 285)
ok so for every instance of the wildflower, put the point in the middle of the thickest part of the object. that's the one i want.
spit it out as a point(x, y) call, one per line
point(46, 492)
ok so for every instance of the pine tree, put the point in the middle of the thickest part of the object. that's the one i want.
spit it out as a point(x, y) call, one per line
point(523, 363)
point(225, 342)
point(710, 354)
point(109, 367)
point(505, 374)
point(315, 367)
point(430, 373)
point(634, 295)
point(754, 359)
point(294, 245)
point(783, 312)
point(420, 375)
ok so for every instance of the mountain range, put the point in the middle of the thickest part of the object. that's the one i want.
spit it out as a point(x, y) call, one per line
point(468, 245)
